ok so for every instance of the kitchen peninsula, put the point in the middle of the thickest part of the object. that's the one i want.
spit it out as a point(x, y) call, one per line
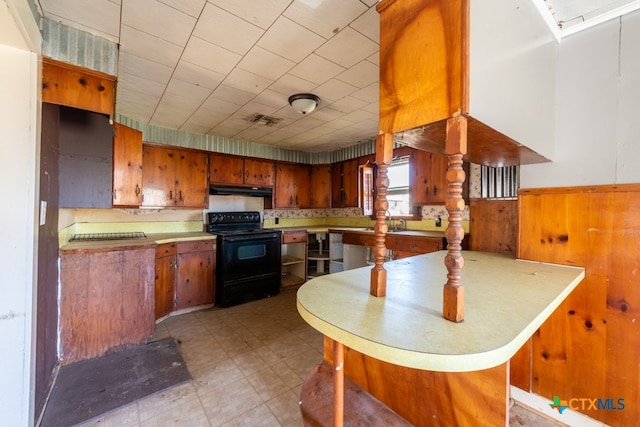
point(402, 351)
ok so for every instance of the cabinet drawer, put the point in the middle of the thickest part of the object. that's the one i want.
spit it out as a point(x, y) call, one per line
point(294, 236)
point(195, 246)
point(420, 245)
point(165, 249)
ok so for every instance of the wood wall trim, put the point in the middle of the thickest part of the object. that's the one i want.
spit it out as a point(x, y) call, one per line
point(78, 87)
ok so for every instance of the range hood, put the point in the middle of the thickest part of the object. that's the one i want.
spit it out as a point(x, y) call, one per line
point(225, 190)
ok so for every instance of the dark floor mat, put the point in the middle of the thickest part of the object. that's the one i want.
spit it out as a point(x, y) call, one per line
point(88, 388)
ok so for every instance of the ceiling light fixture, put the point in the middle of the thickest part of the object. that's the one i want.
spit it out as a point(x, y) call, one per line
point(304, 103)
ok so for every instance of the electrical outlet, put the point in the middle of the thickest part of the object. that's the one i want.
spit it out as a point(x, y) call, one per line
point(438, 222)
point(277, 220)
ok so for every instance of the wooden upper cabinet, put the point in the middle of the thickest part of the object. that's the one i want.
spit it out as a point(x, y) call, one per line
point(225, 169)
point(427, 178)
point(233, 170)
point(293, 186)
point(259, 173)
point(192, 188)
point(174, 178)
point(127, 166)
point(321, 186)
point(419, 89)
point(344, 183)
point(78, 87)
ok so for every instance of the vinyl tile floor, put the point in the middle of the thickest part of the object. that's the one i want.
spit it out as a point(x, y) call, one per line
point(247, 362)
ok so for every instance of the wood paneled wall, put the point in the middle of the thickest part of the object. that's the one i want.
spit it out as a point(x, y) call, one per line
point(428, 398)
point(590, 347)
point(493, 225)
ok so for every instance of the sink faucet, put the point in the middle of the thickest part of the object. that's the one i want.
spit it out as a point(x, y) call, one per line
point(402, 224)
point(390, 224)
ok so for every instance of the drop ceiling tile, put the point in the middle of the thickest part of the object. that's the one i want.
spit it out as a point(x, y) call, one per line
point(368, 94)
point(334, 89)
point(136, 66)
point(140, 84)
point(215, 25)
point(374, 58)
point(260, 13)
point(147, 46)
point(360, 75)
point(210, 56)
point(232, 94)
point(190, 7)
point(368, 24)
point(186, 94)
point(255, 107)
point(101, 17)
point(316, 69)
point(262, 62)
point(348, 104)
point(169, 116)
point(165, 22)
point(246, 81)
point(290, 84)
point(198, 75)
point(370, 2)
point(272, 98)
point(325, 17)
point(219, 106)
point(327, 114)
point(290, 40)
point(347, 48)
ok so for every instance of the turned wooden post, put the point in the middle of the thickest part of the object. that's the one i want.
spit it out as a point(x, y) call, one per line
point(338, 384)
point(456, 147)
point(384, 156)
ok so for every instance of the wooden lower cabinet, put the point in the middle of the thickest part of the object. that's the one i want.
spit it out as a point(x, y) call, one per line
point(106, 300)
point(401, 246)
point(185, 275)
point(165, 279)
point(194, 274)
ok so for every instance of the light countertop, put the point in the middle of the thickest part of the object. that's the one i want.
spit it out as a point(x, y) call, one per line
point(150, 240)
point(506, 301)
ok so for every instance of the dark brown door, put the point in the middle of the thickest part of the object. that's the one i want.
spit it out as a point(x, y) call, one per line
point(47, 297)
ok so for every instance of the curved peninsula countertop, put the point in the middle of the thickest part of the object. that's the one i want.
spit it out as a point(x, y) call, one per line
point(506, 301)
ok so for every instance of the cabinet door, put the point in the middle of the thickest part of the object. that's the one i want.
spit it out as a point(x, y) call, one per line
point(321, 186)
point(344, 181)
point(428, 178)
point(226, 169)
point(259, 173)
point(285, 186)
point(158, 176)
point(195, 274)
point(127, 166)
point(302, 186)
point(165, 285)
point(192, 185)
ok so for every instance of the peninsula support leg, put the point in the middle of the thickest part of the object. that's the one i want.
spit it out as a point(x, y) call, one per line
point(384, 156)
point(456, 147)
point(338, 384)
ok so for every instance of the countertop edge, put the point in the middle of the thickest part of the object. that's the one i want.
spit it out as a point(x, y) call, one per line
point(433, 361)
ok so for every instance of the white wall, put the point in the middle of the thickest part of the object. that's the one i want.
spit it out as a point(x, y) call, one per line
point(18, 172)
point(598, 92)
point(512, 72)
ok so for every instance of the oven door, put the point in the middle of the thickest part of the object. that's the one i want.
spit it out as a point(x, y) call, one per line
point(247, 267)
point(249, 255)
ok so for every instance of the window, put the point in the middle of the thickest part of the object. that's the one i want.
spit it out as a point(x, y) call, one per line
point(398, 191)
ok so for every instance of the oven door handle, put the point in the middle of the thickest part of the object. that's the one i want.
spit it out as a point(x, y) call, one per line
point(252, 237)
